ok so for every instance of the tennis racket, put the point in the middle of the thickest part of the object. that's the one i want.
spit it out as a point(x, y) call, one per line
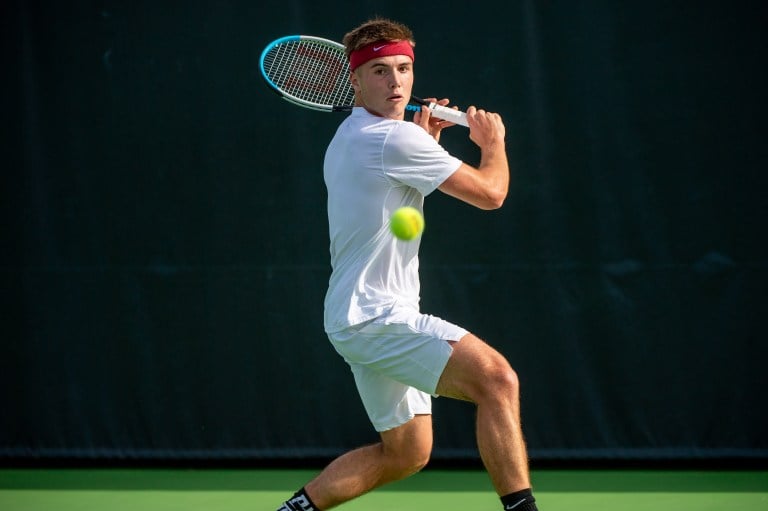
point(313, 72)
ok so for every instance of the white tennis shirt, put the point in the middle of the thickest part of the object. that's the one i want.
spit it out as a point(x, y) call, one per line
point(372, 167)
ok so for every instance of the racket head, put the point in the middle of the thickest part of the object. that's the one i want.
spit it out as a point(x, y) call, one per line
point(308, 71)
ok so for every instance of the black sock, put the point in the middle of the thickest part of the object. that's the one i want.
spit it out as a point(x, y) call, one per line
point(299, 502)
point(519, 501)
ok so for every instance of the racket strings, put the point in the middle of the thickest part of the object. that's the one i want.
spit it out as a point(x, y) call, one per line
point(310, 71)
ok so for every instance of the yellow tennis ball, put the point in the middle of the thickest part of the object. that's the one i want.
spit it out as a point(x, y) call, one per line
point(406, 223)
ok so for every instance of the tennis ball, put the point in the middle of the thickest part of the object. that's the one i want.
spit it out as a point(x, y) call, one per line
point(406, 223)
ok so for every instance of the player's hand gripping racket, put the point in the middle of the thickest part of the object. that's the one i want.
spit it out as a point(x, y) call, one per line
point(314, 73)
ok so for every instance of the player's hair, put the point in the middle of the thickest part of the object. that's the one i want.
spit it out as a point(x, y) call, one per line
point(374, 30)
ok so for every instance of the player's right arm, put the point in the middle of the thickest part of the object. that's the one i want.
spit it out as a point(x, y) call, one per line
point(486, 186)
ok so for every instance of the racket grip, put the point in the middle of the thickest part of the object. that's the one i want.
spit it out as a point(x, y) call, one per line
point(448, 114)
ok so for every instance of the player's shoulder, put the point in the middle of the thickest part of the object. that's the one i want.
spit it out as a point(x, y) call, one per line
point(409, 133)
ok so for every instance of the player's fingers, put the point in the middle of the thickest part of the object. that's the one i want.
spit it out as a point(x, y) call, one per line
point(471, 117)
point(422, 118)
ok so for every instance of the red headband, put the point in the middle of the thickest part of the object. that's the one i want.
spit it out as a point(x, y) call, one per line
point(379, 49)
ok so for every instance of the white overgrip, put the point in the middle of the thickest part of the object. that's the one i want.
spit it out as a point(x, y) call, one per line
point(448, 114)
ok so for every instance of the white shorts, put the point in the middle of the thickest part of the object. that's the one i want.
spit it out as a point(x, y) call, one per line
point(397, 360)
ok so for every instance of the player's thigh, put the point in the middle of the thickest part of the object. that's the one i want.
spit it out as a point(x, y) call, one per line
point(474, 370)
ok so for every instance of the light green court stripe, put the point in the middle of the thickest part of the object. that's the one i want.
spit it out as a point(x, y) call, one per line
point(233, 490)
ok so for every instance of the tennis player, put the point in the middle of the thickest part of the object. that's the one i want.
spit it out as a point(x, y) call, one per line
point(399, 356)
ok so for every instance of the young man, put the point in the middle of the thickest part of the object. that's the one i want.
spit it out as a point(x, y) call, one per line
point(376, 163)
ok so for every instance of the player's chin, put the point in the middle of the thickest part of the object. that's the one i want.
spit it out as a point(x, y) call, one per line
point(395, 110)
point(398, 102)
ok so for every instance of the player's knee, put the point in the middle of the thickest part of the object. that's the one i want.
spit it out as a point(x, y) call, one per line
point(510, 382)
point(501, 382)
point(407, 462)
point(409, 465)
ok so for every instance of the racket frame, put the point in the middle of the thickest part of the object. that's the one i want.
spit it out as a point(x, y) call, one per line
point(287, 95)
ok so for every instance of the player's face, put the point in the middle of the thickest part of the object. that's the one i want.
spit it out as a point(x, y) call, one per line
point(383, 85)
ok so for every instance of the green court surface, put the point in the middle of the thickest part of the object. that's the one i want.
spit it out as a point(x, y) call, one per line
point(444, 490)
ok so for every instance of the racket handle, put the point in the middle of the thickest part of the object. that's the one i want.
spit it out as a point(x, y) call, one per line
point(442, 112)
point(448, 114)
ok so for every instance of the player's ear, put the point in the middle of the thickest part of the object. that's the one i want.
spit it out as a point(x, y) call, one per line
point(354, 81)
